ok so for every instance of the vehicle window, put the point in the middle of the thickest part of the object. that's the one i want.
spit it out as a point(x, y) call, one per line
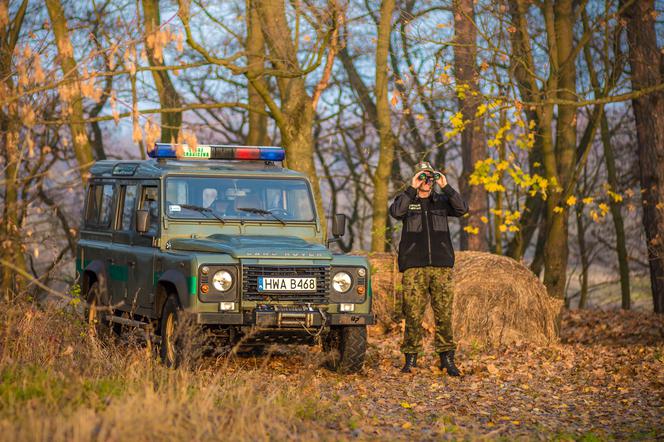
point(150, 201)
point(239, 198)
point(106, 205)
point(130, 193)
point(94, 201)
point(100, 205)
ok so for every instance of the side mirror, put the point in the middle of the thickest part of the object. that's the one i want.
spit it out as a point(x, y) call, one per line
point(142, 220)
point(339, 225)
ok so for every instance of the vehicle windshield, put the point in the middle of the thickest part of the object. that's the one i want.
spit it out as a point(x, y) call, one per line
point(274, 200)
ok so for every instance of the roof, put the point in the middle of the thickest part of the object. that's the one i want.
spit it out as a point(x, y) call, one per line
point(159, 168)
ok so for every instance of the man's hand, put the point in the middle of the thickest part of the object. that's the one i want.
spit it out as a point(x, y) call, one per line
point(416, 182)
point(442, 181)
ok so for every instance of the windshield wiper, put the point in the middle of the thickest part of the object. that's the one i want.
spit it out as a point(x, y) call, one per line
point(261, 212)
point(204, 210)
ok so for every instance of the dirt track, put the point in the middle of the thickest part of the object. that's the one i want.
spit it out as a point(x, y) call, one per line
point(607, 386)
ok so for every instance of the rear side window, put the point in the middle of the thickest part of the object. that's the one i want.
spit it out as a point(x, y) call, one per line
point(100, 205)
point(129, 200)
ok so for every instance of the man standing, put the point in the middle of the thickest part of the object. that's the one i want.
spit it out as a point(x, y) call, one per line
point(426, 258)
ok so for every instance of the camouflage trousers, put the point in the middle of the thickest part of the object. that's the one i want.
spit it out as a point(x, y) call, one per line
point(419, 285)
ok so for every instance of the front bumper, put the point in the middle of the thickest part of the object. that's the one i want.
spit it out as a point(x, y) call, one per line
point(285, 319)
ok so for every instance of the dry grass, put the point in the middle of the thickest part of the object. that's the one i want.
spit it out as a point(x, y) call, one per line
point(57, 383)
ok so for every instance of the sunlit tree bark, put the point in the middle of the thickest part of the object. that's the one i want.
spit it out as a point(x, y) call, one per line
point(80, 141)
point(255, 44)
point(11, 251)
point(473, 141)
point(168, 96)
point(386, 156)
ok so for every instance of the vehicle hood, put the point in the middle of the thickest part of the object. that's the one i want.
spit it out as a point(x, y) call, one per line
point(253, 246)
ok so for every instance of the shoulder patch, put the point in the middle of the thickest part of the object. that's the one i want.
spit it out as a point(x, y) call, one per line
point(414, 207)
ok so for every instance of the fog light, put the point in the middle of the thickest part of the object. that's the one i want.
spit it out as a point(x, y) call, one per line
point(205, 288)
point(205, 270)
point(360, 290)
point(226, 306)
point(361, 271)
point(347, 307)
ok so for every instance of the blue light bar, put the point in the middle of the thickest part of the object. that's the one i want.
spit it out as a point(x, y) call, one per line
point(215, 152)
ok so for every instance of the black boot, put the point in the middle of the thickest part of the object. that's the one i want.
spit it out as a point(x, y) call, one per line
point(411, 361)
point(447, 363)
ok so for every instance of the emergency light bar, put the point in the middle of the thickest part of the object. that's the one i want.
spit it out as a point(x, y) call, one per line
point(215, 152)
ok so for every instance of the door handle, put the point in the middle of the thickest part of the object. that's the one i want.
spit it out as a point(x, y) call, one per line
point(110, 260)
point(131, 263)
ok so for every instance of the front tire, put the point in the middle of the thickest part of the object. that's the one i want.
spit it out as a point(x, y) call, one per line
point(347, 348)
point(170, 350)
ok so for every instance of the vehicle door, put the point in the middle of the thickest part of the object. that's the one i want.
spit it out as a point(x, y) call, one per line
point(96, 236)
point(122, 253)
point(145, 248)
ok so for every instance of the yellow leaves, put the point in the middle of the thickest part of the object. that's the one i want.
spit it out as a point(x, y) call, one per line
point(407, 425)
point(457, 121)
point(406, 405)
point(395, 98)
point(4, 15)
point(588, 200)
point(442, 25)
point(502, 228)
point(615, 196)
point(461, 90)
point(484, 219)
point(571, 200)
point(481, 110)
point(558, 209)
point(444, 78)
point(604, 208)
point(152, 133)
point(472, 230)
point(27, 114)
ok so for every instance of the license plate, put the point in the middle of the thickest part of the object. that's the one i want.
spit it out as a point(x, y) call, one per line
point(266, 284)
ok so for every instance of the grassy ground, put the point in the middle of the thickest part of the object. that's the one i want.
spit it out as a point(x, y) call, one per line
point(605, 380)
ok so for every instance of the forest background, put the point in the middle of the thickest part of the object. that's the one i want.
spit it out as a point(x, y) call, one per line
point(548, 115)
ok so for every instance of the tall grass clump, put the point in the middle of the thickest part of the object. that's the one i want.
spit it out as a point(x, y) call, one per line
point(59, 383)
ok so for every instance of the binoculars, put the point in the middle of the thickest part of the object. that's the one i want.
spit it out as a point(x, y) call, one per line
point(427, 177)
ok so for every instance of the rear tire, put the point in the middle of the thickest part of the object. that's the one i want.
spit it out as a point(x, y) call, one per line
point(346, 347)
point(98, 306)
point(170, 350)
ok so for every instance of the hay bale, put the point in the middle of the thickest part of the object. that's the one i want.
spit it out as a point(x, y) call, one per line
point(499, 301)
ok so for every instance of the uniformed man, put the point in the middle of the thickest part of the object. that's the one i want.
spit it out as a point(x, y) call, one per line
point(426, 258)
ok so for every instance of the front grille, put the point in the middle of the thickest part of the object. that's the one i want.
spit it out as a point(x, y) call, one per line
point(250, 276)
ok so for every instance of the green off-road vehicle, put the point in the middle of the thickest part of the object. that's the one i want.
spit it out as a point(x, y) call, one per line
point(227, 238)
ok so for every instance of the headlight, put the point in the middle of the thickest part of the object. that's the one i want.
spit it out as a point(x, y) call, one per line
point(222, 280)
point(341, 282)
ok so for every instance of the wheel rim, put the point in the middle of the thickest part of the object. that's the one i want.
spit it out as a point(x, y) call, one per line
point(169, 332)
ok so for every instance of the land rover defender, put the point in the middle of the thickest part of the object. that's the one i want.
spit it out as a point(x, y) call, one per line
point(228, 237)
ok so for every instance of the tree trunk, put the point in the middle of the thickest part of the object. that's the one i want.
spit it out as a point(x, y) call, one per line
point(387, 142)
point(473, 143)
point(80, 141)
point(645, 60)
point(556, 248)
point(255, 45)
point(619, 225)
point(295, 120)
point(11, 250)
point(168, 96)
point(585, 262)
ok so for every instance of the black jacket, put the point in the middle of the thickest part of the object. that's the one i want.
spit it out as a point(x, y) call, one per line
point(425, 238)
